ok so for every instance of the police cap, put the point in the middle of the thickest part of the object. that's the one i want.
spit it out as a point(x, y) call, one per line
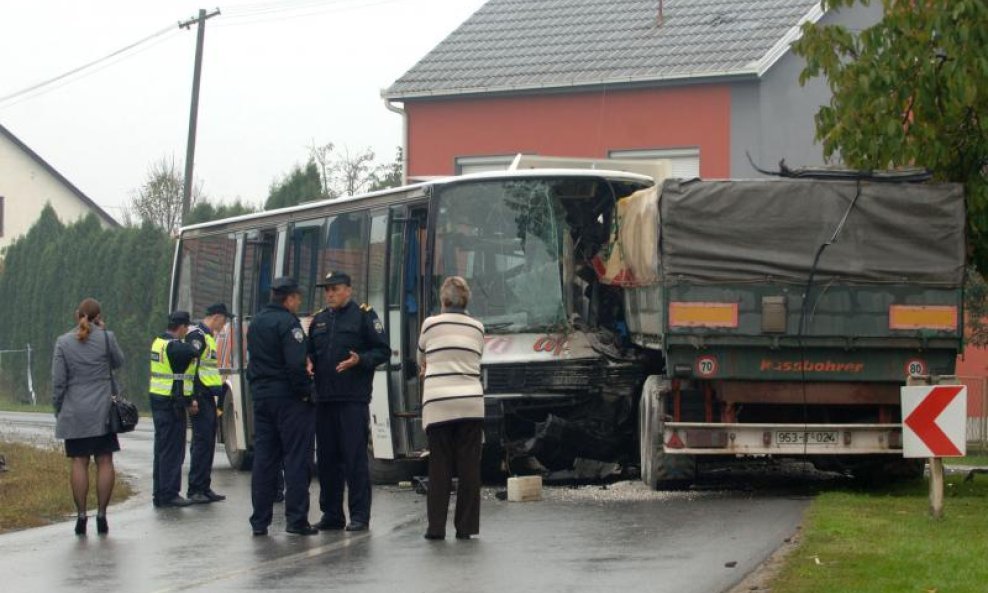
point(177, 318)
point(219, 309)
point(334, 278)
point(285, 285)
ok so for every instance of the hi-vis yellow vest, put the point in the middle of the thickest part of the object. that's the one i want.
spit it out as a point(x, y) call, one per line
point(162, 376)
point(209, 371)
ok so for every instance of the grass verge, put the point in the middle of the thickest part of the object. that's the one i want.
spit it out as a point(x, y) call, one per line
point(886, 542)
point(35, 491)
point(975, 456)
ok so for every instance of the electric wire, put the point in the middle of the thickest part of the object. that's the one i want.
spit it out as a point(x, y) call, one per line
point(45, 85)
point(238, 19)
point(804, 306)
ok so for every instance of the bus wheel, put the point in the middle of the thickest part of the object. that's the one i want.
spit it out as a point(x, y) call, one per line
point(658, 469)
point(392, 471)
point(240, 458)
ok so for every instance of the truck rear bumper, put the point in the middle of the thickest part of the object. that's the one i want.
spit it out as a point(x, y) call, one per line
point(704, 438)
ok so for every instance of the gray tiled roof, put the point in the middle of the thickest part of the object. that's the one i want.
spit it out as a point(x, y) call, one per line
point(524, 44)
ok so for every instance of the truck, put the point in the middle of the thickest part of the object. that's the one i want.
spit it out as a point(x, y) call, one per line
point(788, 313)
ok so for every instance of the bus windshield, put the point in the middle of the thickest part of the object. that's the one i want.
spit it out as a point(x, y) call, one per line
point(505, 237)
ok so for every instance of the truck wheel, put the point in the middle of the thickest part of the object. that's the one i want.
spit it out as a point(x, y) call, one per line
point(238, 456)
point(659, 470)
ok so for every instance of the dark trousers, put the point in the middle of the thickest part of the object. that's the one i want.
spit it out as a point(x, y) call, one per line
point(169, 449)
point(283, 434)
point(203, 446)
point(342, 433)
point(454, 448)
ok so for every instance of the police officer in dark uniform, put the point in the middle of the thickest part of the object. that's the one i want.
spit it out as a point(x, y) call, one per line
point(170, 392)
point(284, 423)
point(208, 388)
point(346, 343)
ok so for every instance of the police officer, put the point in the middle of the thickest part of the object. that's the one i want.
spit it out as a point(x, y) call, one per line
point(346, 343)
point(172, 373)
point(207, 389)
point(284, 423)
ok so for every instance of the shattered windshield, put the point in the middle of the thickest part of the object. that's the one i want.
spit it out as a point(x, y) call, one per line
point(505, 238)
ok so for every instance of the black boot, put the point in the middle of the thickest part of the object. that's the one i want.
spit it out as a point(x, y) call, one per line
point(80, 525)
point(101, 526)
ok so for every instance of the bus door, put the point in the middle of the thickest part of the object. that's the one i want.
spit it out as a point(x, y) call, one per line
point(406, 309)
point(259, 269)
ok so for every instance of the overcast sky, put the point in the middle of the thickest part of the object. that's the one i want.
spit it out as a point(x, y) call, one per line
point(277, 76)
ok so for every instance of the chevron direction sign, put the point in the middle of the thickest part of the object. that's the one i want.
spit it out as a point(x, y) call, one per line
point(934, 421)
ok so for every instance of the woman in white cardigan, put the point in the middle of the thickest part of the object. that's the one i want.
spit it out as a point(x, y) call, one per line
point(451, 345)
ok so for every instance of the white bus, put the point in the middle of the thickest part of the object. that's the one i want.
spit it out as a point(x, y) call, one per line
point(556, 382)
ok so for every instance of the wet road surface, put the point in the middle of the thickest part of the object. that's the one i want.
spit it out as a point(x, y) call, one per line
point(576, 539)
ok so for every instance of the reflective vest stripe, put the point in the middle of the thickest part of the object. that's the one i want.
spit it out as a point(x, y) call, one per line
point(162, 375)
point(209, 373)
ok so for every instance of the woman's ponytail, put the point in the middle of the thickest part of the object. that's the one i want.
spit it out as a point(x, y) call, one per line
point(87, 313)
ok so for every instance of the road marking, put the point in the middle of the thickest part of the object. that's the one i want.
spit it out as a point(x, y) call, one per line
point(277, 564)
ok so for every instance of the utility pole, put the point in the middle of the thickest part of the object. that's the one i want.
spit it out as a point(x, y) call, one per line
point(190, 149)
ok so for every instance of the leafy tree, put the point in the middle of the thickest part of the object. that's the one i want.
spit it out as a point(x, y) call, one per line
point(910, 90)
point(159, 199)
point(389, 175)
point(205, 211)
point(299, 185)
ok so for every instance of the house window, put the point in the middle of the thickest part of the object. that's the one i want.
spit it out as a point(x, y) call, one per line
point(685, 161)
point(479, 164)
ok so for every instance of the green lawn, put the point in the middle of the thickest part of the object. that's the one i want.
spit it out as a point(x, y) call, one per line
point(885, 542)
point(975, 456)
point(35, 489)
point(12, 406)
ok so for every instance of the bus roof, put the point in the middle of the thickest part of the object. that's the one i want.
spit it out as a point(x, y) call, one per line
point(518, 174)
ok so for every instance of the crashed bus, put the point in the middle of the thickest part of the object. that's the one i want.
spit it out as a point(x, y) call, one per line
point(632, 322)
point(526, 241)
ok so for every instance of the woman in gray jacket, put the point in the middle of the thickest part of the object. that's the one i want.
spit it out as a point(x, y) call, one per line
point(81, 394)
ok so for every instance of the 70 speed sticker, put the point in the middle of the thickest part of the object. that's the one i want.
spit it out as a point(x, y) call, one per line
point(706, 366)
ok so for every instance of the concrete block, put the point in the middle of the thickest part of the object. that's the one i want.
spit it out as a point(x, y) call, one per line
point(525, 488)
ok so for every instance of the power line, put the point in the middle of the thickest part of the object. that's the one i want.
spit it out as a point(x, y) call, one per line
point(46, 83)
point(298, 9)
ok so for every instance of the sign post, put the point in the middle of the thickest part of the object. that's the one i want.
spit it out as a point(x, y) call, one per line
point(934, 415)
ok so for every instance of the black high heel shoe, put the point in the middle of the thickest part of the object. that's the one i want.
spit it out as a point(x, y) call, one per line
point(80, 525)
point(101, 526)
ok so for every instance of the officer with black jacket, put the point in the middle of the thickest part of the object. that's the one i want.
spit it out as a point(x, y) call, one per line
point(346, 343)
point(284, 423)
point(172, 373)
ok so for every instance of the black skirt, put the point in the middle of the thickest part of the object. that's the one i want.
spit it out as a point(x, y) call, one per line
point(90, 446)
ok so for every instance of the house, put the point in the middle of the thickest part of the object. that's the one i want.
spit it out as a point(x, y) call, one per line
point(701, 82)
point(27, 183)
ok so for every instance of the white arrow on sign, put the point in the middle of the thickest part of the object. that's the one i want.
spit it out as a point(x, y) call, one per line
point(934, 421)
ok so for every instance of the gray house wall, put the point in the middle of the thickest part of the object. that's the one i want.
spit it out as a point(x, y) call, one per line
point(772, 118)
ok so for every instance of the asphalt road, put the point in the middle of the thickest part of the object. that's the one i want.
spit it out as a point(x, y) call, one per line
point(576, 539)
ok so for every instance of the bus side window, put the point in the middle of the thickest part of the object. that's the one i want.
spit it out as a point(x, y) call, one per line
point(345, 250)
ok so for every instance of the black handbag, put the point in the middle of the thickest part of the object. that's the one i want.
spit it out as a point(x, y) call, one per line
point(123, 413)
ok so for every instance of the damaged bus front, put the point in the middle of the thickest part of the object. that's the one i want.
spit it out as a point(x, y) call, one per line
point(560, 382)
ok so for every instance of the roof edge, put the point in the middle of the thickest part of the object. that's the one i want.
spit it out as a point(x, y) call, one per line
point(60, 178)
point(749, 72)
point(783, 45)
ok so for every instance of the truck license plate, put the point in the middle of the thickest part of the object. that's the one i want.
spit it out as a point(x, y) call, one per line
point(819, 437)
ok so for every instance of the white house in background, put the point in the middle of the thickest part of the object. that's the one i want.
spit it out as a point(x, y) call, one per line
point(27, 183)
